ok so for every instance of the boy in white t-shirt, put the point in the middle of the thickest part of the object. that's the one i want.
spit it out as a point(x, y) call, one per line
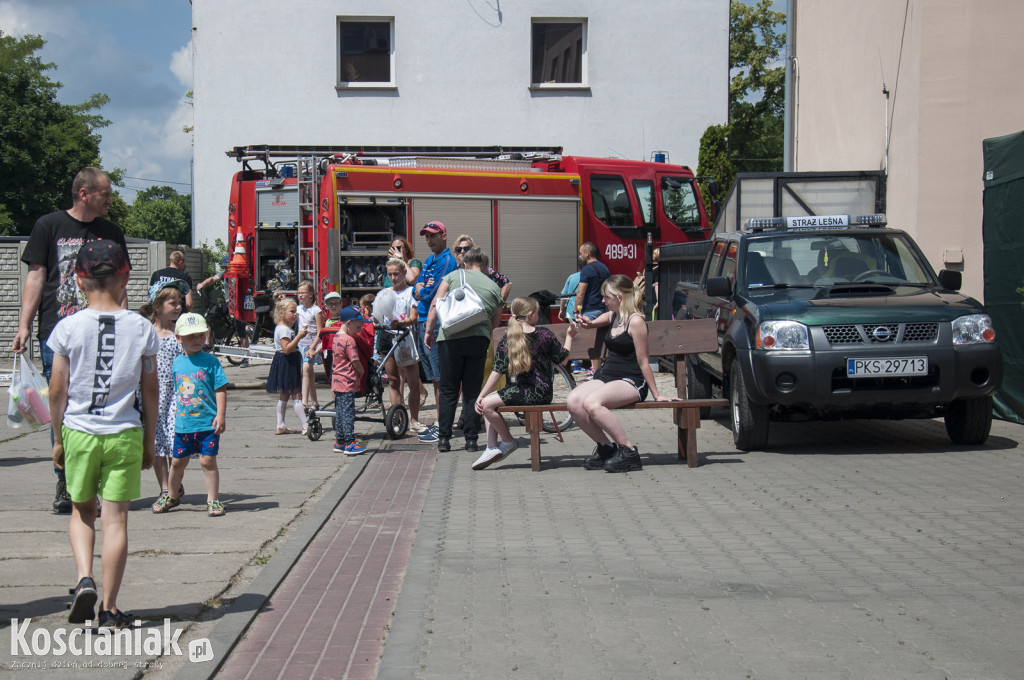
point(99, 437)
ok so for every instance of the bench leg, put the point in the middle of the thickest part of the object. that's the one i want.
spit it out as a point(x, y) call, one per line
point(534, 424)
point(687, 422)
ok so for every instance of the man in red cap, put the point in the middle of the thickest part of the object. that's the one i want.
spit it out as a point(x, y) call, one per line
point(440, 263)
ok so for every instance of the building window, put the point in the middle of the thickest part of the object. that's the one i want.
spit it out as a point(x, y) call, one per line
point(559, 53)
point(366, 53)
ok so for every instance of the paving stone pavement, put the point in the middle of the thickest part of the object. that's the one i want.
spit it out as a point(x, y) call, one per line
point(846, 550)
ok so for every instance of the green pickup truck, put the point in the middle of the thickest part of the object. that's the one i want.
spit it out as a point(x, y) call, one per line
point(838, 316)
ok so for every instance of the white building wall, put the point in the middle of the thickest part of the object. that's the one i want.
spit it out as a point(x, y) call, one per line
point(265, 73)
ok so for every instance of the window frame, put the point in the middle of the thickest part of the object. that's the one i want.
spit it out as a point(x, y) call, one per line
point(340, 83)
point(584, 83)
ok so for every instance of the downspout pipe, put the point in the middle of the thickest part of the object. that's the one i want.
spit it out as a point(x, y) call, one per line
point(789, 115)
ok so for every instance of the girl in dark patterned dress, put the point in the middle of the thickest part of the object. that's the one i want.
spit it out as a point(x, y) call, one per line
point(526, 353)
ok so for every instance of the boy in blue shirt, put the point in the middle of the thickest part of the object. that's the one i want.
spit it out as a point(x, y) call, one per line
point(200, 397)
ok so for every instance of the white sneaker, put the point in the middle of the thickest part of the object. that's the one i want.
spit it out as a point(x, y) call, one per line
point(487, 457)
point(416, 426)
point(507, 447)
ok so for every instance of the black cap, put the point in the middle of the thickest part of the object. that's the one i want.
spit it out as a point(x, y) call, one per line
point(100, 258)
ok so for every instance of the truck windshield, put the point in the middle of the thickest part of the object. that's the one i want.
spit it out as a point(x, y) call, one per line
point(824, 260)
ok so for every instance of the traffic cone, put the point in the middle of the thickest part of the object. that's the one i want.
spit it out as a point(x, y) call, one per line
point(238, 263)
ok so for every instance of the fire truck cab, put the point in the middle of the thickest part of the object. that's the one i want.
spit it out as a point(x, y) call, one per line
point(329, 214)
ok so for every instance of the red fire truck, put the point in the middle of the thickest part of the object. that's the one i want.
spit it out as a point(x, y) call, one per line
point(328, 214)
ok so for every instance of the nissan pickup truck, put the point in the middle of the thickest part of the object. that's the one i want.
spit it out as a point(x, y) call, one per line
point(834, 317)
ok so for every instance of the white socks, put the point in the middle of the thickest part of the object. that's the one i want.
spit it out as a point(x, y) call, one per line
point(300, 412)
point(282, 407)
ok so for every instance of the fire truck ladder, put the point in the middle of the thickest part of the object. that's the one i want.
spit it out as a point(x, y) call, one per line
point(258, 352)
point(308, 183)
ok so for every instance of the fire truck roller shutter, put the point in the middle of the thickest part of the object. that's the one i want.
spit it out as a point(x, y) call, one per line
point(538, 242)
point(471, 216)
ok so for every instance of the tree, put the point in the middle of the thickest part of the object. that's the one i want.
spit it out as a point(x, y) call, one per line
point(43, 143)
point(160, 213)
point(752, 139)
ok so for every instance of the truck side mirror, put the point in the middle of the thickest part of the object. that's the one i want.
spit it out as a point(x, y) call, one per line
point(718, 286)
point(716, 207)
point(950, 280)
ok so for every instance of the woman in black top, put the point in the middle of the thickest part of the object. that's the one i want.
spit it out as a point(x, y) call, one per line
point(625, 377)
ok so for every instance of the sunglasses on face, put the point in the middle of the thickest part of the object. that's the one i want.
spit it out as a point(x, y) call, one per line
point(461, 249)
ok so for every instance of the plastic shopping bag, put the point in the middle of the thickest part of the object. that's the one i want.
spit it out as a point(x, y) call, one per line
point(406, 353)
point(29, 403)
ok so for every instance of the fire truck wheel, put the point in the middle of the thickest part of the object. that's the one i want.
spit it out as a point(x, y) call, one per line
point(396, 421)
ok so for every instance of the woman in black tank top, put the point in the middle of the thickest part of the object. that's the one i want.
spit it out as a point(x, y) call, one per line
point(624, 378)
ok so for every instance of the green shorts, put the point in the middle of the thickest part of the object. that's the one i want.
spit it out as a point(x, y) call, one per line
point(106, 464)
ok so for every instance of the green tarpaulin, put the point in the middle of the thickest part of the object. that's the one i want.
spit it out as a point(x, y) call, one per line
point(1003, 233)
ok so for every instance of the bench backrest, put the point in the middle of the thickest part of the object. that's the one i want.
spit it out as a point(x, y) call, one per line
point(664, 338)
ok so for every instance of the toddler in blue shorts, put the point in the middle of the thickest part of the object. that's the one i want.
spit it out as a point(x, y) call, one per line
point(200, 403)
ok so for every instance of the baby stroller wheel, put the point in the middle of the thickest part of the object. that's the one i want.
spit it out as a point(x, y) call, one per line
point(314, 430)
point(396, 422)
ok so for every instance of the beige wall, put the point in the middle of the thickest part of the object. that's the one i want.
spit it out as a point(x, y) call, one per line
point(956, 82)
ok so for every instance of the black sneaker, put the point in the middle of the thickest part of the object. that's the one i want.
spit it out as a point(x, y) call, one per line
point(62, 499)
point(443, 444)
point(110, 620)
point(472, 446)
point(626, 459)
point(602, 452)
point(85, 599)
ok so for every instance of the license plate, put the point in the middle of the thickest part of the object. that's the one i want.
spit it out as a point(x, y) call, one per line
point(886, 366)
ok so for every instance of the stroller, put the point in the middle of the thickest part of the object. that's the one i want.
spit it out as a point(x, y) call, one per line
point(395, 418)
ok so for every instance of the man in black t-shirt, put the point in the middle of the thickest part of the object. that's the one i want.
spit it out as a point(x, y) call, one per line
point(175, 272)
point(50, 287)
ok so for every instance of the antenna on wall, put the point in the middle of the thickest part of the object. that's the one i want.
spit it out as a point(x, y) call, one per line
point(885, 162)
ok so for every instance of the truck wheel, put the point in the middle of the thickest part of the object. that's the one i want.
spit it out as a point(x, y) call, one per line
point(968, 421)
point(749, 421)
point(698, 386)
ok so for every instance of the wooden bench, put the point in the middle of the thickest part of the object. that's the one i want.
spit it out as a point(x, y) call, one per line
point(665, 339)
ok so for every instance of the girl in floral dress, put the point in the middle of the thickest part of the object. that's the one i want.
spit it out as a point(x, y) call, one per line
point(164, 308)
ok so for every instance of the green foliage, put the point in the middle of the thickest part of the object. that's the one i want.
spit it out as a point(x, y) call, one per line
point(43, 143)
point(752, 140)
point(214, 254)
point(160, 213)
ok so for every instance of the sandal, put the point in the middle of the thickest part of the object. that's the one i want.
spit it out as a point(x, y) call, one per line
point(165, 504)
point(114, 619)
point(85, 599)
point(215, 508)
point(285, 430)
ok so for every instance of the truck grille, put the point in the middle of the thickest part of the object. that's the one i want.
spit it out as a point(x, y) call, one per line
point(887, 333)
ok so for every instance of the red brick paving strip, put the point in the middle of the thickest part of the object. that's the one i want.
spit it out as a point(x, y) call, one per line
point(330, 616)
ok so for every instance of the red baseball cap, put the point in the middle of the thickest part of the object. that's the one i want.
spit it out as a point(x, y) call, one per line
point(434, 227)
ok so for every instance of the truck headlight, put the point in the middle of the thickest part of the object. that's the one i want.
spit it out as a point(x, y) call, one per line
point(782, 335)
point(972, 329)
